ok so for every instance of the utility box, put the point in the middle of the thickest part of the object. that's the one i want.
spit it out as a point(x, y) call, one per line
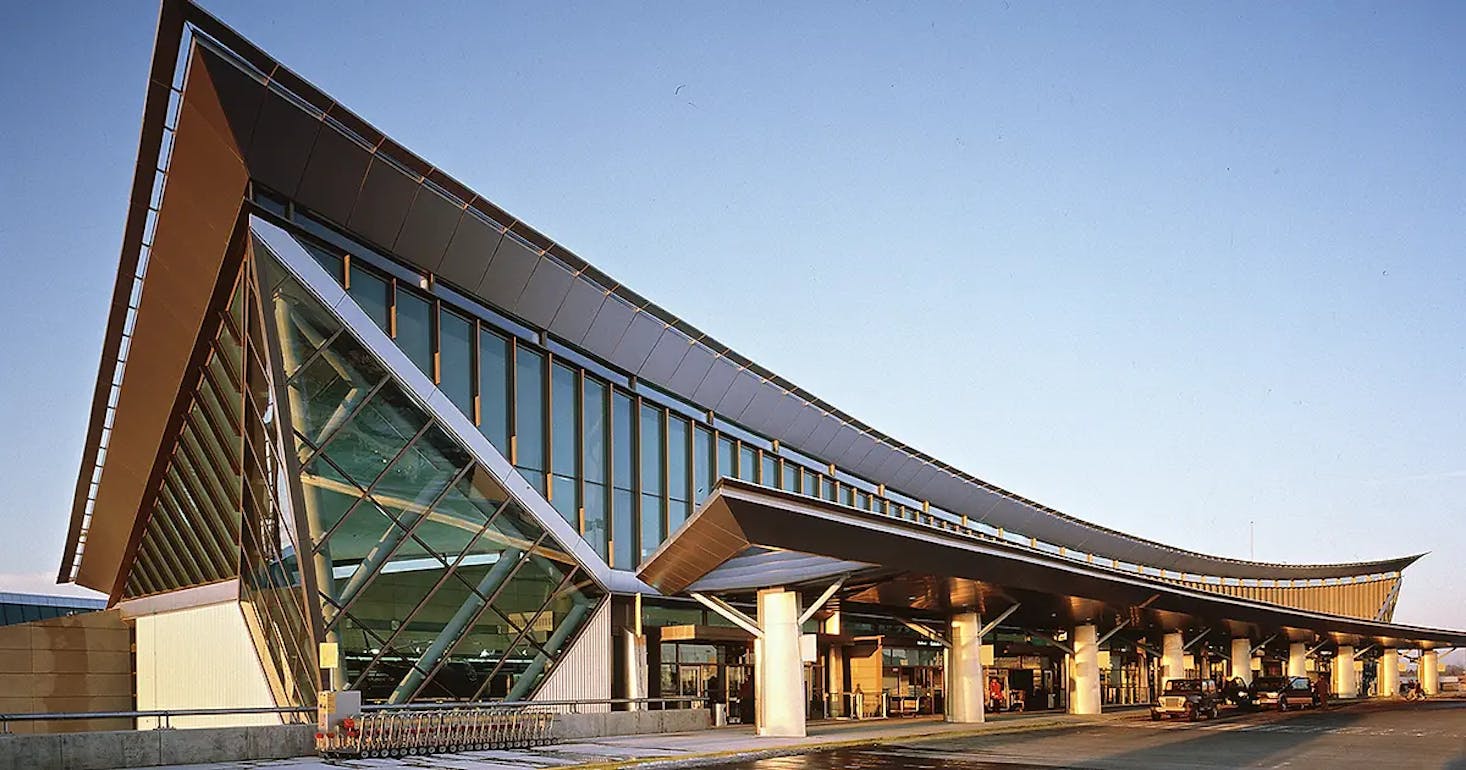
point(333, 706)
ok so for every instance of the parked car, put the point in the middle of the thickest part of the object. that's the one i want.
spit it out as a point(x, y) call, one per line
point(1190, 698)
point(1283, 692)
point(1236, 692)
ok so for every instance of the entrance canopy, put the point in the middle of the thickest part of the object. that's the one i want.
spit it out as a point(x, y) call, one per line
point(747, 537)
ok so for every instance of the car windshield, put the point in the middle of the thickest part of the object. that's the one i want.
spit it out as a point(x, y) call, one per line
point(1270, 683)
point(1184, 685)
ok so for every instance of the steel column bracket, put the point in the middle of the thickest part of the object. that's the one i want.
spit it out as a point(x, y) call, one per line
point(1194, 640)
point(1318, 647)
point(820, 602)
point(989, 626)
point(1260, 645)
point(731, 613)
point(1111, 632)
point(926, 633)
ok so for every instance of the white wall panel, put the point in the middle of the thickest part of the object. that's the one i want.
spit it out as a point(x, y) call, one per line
point(200, 657)
point(584, 671)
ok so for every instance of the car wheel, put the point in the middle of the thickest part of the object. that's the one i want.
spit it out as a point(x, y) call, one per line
point(1193, 714)
point(1154, 717)
point(1282, 704)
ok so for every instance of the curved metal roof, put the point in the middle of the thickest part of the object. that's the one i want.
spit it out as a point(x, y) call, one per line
point(295, 139)
point(746, 537)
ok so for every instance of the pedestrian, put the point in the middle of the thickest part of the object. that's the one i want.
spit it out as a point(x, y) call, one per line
point(1321, 689)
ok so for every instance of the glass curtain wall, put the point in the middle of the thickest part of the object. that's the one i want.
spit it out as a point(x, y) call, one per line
point(434, 581)
point(621, 464)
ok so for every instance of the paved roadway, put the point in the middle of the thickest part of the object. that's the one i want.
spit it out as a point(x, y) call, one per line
point(1386, 735)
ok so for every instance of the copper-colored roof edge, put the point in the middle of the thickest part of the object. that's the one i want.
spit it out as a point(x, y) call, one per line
point(172, 16)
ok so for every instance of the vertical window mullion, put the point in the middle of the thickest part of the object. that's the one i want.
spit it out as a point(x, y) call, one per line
point(666, 471)
point(513, 398)
point(579, 478)
point(392, 308)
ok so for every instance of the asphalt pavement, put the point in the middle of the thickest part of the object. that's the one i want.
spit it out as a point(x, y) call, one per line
point(1361, 735)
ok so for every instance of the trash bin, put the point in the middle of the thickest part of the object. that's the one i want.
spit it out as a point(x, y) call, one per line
point(720, 715)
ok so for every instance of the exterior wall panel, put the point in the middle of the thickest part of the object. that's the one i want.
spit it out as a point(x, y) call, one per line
point(76, 663)
point(584, 671)
point(182, 656)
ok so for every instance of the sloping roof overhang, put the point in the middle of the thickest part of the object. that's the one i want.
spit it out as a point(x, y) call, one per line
point(746, 537)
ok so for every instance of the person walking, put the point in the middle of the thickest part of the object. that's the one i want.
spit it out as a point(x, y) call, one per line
point(1321, 689)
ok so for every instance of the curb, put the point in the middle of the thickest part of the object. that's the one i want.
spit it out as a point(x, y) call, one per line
point(710, 758)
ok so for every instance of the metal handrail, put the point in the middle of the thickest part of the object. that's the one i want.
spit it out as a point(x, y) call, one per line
point(525, 703)
point(166, 715)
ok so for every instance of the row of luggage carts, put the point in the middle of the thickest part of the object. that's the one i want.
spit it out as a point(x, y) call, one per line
point(404, 732)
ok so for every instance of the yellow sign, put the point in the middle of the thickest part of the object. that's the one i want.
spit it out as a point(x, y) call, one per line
point(330, 655)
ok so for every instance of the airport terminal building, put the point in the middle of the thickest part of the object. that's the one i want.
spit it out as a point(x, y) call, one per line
point(347, 404)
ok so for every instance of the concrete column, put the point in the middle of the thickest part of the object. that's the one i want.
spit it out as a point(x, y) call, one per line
point(1173, 658)
point(1430, 673)
point(1297, 659)
point(965, 700)
point(1242, 659)
point(1345, 683)
point(1086, 698)
point(778, 671)
point(1387, 673)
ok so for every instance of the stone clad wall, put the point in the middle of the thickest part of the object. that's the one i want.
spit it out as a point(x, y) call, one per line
point(75, 663)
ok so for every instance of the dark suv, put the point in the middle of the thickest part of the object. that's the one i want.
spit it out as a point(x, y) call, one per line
point(1283, 692)
point(1190, 698)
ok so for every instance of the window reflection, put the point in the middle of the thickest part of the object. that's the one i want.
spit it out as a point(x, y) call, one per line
point(455, 360)
point(529, 416)
point(565, 442)
point(593, 464)
point(651, 439)
point(623, 466)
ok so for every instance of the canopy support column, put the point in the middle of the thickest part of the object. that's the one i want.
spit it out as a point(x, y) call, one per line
point(778, 670)
point(965, 697)
point(1387, 673)
point(1430, 674)
point(1242, 659)
point(1297, 659)
point(1086, 678)
point(1173, 658)
point(1346, 684)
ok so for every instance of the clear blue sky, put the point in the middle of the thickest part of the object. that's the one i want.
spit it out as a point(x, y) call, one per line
point(1168, 268)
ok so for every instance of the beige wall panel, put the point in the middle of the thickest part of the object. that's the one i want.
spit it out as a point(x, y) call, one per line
point(200, 657)
point(45, 666)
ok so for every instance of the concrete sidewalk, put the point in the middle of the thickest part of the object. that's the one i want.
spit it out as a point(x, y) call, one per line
point(677, 750)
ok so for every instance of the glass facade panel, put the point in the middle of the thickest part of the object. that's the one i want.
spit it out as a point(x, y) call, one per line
point(529, 416)
point(424, 557)
point(623, 496)
point(678, 478)
point(593, 464)
point(725, 457)
point(702, 464)
point(791, 477)
point(493, 363)
point(565, 442)
point(455, 360)
point(373, 294)
point(747, 463)
point(651, 439)
point(769, 473)
point(415, 329)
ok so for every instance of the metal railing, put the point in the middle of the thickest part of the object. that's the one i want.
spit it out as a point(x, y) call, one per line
point(302, 714)
point(164, 716)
